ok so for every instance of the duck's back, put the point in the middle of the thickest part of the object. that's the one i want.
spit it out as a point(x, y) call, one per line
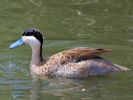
point(77, 54)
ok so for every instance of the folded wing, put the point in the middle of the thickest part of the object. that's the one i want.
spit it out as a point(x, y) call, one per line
point(78, 54)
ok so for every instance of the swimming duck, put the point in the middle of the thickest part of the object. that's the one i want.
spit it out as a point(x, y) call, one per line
point(76, 62)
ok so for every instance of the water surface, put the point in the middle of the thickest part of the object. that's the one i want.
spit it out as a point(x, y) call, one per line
point(66, 24)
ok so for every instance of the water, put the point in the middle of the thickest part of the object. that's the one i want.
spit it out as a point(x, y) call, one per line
point(66, 24)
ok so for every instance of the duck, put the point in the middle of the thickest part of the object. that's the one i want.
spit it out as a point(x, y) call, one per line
point(78, 62)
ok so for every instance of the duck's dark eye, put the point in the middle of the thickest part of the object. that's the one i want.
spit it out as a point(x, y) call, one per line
point(30, 32)
point(33, 32)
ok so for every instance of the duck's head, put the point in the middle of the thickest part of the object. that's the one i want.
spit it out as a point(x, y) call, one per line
point(31, 37)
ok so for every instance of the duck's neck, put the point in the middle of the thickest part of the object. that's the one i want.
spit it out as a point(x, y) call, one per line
point(36, 56)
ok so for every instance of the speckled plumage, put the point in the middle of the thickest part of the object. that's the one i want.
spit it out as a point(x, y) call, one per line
point(77, 62)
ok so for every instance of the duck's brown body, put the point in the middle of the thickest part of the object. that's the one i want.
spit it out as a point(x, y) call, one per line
point(77, 62)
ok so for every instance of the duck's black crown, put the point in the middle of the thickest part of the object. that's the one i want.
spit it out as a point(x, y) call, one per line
point(33, 32)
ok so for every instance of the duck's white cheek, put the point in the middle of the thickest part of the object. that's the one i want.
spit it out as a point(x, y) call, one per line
point(31, 40)
point(25, 39)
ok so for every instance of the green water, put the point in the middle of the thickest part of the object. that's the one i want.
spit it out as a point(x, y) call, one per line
point(66, 24)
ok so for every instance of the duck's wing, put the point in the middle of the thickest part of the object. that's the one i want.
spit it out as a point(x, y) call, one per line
point(77, 54)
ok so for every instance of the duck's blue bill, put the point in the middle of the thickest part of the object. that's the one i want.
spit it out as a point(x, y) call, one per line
point(16, 44)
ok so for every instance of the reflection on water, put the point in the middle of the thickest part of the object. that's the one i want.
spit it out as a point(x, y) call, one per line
point(66, 24)
point(75, 89)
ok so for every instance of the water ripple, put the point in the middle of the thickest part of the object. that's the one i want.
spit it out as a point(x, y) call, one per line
point(83, 2)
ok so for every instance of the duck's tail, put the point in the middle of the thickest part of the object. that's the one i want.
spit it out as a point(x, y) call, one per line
point(121, 68)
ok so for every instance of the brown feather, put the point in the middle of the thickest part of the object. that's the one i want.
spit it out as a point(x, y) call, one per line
point(77, 54)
